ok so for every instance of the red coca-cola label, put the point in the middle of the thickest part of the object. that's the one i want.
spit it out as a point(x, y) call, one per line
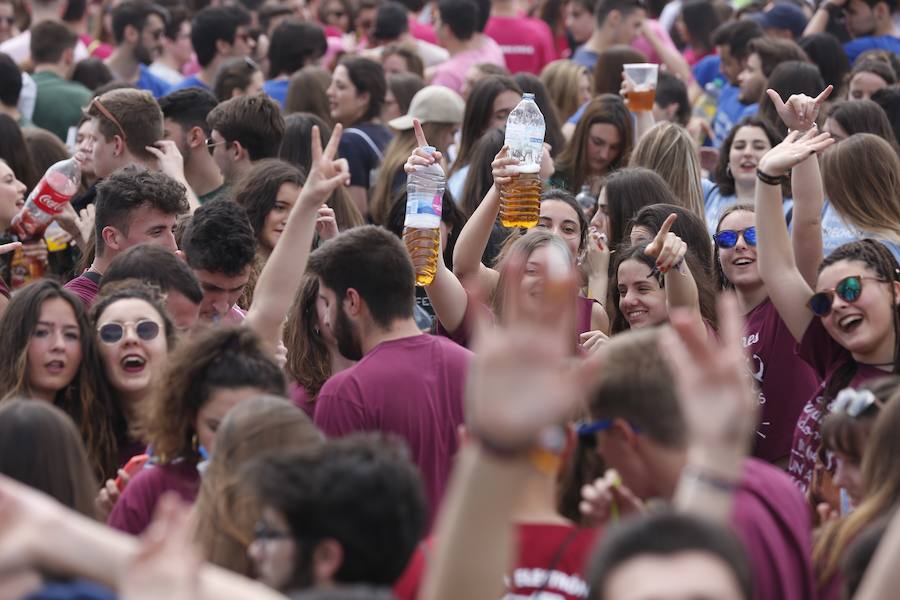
point(49, 200)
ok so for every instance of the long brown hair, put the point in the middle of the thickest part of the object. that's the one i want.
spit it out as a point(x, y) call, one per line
point(573, 160)
point(308, 358)
point(563, 78)
point(226, 508)
point(86, 400)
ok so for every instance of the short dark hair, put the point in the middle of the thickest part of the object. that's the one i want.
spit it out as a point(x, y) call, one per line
point(233, 74)
point(668, 534)
point(293, 45)
point(828, 53)
point(271, 10)
point(318, 493)
point(75, 10)
point(138, 114)
point(92, 73)
point(157, 266)
point(461, 16)
point(625, 7)
point(130, 188)
point(375, 263)
point(177, 15)
point(258, 188)
point(134, 13)
point(737, 35)
point(254, 121)
point(391, 21)
point(10, 80)
point(219, 238)
point(671, 90)
point(772, 52)
point(212, 24)
point(367, 76)
point(189, 107)
point(49, 40)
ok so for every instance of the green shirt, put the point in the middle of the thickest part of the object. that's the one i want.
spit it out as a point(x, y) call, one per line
point(59, 103)
point(223, 191)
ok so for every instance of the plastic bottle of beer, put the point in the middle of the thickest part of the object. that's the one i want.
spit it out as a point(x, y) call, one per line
point(422, 226)
point(47, 199)
point(520, 199)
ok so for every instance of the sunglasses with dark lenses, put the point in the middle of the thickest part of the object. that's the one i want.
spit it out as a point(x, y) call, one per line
point(113, 332)
point(848, 289)
point(728, 238)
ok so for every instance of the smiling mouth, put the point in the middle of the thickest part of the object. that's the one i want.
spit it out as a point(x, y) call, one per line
point(636, 314)
point(742, 262)
point(850, 322)
point(133, 363)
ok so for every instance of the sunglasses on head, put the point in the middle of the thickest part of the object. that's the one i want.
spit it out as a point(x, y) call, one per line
point(95, 103)
point(728, 238)
point(848, 289)
point(113, 332)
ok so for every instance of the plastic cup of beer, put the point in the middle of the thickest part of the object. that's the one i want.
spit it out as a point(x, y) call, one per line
point(520, 199)
point(642, 77)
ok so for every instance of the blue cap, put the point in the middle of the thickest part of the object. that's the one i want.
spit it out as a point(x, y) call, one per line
point(783, 16)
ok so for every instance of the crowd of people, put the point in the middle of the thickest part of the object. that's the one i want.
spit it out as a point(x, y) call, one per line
point(219, 377)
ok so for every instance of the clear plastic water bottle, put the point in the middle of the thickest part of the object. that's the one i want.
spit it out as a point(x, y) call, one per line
point(586, 201)
point(48, 198)
point(520, 199)
point(422, 227)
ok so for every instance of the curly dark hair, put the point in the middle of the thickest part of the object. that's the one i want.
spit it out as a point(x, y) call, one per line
point(219, 238)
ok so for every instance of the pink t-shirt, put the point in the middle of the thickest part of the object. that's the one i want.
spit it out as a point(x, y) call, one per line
point(452, 72)
point(825, 356)
point(773, 522)
point(422, 31)
point(134, 510)
point(527, 43)
point(412, 387)
point(641, 43)
point(785, 381)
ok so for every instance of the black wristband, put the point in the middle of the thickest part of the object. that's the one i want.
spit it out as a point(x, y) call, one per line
point(770, 179)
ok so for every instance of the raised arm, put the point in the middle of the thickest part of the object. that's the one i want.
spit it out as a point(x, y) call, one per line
point(819, 21)
point(799, 113)
point(643, 119)
point(280, 278)
point(172, 164)
point(787, 288)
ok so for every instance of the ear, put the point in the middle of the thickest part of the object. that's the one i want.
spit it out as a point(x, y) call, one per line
point(131, 34)
point(68, 56)
point(237, 151)
point(897, 292)
point(353, 303)
point(196, 137)
point(327, 559)
point(118, 145)
point(111, 237)
point(223, 47)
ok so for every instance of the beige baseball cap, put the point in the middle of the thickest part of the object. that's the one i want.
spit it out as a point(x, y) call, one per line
point(431, 104)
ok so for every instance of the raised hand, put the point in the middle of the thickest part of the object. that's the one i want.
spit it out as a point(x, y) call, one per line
point(713, 385)
point(326, 172)
point(795, 148)
point(800, 111)
point(170, 160)
point(420, 158)
point(606, 499)
point(326, 224)
point(525, 377)
point(10, 247)
point(500, 167)
point(667, 248)
point(596, 254)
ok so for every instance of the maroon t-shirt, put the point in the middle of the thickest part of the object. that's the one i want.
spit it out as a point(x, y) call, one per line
point(785, 381)
point(134, 510)
point(4, 291)
point(550, 564)
point(85, 288)
point(771, 518)
point(412, 387)
point(825, 356)
point(298, 395)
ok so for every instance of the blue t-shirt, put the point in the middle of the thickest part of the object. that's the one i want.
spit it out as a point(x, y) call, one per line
point(854, 48)
point(836, 232)
point(716, 203)
point(585, 58)
point(708, 70)
point(189, 82)
point(277, 90)
point(363, 146)
point(729, 112)
point(153, 84)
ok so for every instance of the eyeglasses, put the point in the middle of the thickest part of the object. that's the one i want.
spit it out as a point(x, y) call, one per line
point(211, 143)
point(728, 238)
point(95, 103)
point(854, 402)
point(113, 332)
point(264, 531)
point(848, 289)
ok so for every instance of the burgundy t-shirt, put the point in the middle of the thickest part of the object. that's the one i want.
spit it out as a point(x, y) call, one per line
point(825, 356)
point(85, 288)
point(298, 395)
point(771, 518)
point(4, 291)
point(134, 510)
point(527, 42)
point(412, 387)
point(550, 564)
point(785, 381)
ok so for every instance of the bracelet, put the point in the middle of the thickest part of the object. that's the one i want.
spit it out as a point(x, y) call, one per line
point(709, 479)
point(770, 179)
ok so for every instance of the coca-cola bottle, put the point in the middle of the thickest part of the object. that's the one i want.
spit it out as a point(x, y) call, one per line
point(47, 199)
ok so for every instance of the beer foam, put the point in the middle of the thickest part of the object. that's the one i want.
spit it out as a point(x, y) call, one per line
point(526, 169)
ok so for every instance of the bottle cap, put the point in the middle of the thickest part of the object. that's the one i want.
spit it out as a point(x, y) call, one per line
point(527, 96)
point(429, 149)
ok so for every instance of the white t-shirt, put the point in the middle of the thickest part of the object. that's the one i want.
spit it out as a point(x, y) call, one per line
point(19, 48)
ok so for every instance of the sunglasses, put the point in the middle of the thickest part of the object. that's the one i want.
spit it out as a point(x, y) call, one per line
point(587, 432)
point(113, 332)
point(264, 531)
point(95, 103)
point(211, 143)
point(848, 289)
point(728, 238)
point(854, 402)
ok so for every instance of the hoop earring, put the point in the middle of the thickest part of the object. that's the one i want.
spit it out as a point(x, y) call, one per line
point(195, 443)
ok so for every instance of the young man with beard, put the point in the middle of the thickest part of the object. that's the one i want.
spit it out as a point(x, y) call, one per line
point(138, 27)
point(765, 54)
point(406, 382)
point(185, 113)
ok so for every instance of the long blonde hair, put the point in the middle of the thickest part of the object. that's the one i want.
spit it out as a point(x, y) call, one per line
point(562, 78)
point(861, 176)
point(226, 509)
point(395, 156)
point(667, 149)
